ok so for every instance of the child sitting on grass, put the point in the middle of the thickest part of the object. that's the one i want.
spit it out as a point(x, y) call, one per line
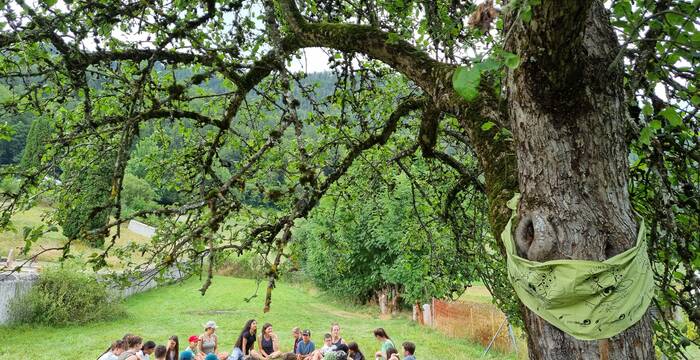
point(159, 353)
point(114, 351)
point(409, 349)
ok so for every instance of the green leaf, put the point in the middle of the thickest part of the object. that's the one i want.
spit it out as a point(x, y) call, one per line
point(393, 38)
point(512, 60)
point(526, 13)
point(655, 124)
point(503, 134)
point(645, 135)
point(6, 132)
point(647, 110)
point(695, 100)
point(5, 94)
point(465, 81)
point(489, 64)
point(487, 125)
point(675, 19)
point(622, 9)
point(49, 3)
point(672, 116)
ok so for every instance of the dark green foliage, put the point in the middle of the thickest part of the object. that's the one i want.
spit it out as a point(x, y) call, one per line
point(37, 139)
point(65, 296)
point(84, 199)
point(11, 150)
point(355, 247)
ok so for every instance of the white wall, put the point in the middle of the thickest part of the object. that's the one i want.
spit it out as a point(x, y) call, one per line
point(141, 228)
point(14, 285)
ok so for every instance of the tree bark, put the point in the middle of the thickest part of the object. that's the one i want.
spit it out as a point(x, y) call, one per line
point(567, 110)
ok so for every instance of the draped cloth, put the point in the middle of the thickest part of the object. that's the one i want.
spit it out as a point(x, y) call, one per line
point(588, 300)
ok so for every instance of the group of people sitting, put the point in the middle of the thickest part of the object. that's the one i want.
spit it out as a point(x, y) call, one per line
point(206, 346)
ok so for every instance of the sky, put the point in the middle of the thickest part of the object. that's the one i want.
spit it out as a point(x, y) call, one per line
point(312, 59)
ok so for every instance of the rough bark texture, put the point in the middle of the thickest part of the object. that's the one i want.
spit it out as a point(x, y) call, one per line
point(567, 112)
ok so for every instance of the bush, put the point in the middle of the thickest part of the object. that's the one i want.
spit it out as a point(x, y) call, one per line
point(65, 296)
point(247, 266)
point(9, 185)
point(37, 139)
point(137, 195)
point(84, 200)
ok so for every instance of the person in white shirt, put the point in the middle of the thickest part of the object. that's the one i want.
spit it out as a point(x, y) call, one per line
point(328, 346)
point(114, 351)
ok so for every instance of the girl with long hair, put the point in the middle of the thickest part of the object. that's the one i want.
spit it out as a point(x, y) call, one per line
point(386, 342)
point(245, 340)
point(354, 352)
point(268, 346)
point(172, 351)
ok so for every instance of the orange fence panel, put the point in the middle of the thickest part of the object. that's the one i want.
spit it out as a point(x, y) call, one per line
point(475, 321)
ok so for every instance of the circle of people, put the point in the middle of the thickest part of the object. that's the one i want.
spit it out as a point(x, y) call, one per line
point(206, 346)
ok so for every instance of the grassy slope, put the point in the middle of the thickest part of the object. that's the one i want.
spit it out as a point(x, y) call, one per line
point(180, 310)
point(33, 217)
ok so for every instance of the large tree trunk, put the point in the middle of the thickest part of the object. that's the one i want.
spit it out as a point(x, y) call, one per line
point(567, 110)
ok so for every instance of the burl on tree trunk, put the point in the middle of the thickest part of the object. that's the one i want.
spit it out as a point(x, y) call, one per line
point(567, 110)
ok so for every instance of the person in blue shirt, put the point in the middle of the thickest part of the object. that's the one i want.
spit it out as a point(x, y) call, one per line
point(409, 349)
point(306, 347)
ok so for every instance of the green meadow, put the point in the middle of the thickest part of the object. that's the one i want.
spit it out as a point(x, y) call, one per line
point(180, 310)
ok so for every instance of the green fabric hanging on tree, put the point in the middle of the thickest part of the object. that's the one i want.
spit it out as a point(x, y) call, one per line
point(588, 300)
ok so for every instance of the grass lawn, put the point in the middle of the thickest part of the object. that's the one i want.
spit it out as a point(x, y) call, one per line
point(476, 293)
point(33, 217)
point(180, 310)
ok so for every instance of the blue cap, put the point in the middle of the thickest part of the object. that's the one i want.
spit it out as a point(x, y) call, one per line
point(211, 356)
point(186, 355)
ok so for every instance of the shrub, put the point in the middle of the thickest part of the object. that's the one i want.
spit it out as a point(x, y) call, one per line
point(137, 195)
point(65, 296)
point(84, 200)
point(247, 266)
point(37, 139)
point(9, 185)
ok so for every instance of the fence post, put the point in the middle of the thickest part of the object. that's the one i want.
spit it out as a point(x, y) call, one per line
point(428, 314)
point(493, 339)
point(512, 337)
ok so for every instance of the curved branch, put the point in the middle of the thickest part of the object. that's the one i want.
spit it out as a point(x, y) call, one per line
point(432, 76)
